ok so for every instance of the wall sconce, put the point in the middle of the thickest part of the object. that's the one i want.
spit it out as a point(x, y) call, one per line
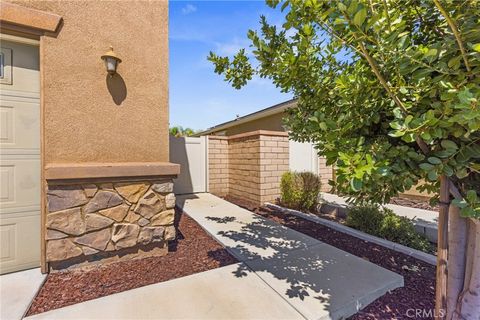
point(111, 61)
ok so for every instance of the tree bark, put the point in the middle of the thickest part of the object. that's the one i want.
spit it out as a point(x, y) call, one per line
point(468, 306)
point(442, 250)
point(457, 242)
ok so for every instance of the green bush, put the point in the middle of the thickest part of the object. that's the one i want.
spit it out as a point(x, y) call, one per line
point(299, 190)
point(386, 224)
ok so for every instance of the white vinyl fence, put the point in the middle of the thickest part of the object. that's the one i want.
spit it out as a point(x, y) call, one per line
point(191, 154)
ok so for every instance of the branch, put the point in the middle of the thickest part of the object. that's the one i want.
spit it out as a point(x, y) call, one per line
point(455, 31)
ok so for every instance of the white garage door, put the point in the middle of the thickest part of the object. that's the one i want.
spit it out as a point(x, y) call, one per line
point(190, 153)
point(20, 157)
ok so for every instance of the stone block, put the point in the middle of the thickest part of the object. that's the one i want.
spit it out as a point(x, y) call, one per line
point(90, 189)
point(143, 222)
point(125, 235)
point(132, 217)
point(117, 213)
point(65, 197)
point(97, 222)
point(151, 234)
point(55, 235)
point(68, 221)
point(170, 201)
point(102, 200)
point(163, 187)
point(170, 233)
point(164, 218)
point(131, 191)
point(149, 205)
point(63, 249)
point(97, 239)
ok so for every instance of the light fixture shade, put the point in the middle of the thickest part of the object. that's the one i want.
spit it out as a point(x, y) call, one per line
point(111, 61)
point(111, 65)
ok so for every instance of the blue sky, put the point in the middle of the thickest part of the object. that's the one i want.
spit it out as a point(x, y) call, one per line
point(199, 98)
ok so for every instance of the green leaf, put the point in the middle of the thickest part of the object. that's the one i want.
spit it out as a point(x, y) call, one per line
point(432, 176)
point(471, 196)
point(356, 184)
point(449, 145)
point(426, 166)
point(434, 160)
point(476, 47)
point(359, 17)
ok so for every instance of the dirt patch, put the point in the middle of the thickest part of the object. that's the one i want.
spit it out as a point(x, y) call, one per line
point(193, 251)
point(419, 277)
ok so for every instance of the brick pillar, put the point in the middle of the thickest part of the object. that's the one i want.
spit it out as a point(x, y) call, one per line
point(274, 161)
point(325, 172)
point(218, 165)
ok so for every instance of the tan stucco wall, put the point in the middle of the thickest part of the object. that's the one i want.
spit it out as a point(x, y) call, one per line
point(271, 123)
point(82, 120)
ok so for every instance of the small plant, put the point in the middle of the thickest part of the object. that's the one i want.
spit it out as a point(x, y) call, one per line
point(365, 218)
point(386, 224)
point(299, 190)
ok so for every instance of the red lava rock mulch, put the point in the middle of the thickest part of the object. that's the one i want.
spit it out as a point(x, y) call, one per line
point(402, 303)
point(193, 251)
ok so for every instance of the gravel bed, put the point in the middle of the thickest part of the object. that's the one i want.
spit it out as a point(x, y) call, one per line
point(193, 251)
point(419, 277)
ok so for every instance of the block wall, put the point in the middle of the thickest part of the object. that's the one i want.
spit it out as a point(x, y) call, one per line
point(248, 166)
point(218, 165)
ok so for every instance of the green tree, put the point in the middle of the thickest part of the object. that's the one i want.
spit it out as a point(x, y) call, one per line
point(389, 91)
point(179, 131)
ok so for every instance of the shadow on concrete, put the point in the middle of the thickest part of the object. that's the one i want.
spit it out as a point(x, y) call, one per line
point(318, 280)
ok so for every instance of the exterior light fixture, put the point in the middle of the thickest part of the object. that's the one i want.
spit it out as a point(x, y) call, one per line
point(111, 61)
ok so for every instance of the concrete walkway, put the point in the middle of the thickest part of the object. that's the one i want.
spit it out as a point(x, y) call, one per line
point(17, 291)
point(318, 280)
point(282, 274)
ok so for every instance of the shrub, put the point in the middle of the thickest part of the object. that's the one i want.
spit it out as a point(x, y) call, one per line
point(299, 190)
point(365, 218)
point(386, 224)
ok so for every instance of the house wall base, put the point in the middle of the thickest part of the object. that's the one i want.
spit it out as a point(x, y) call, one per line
point(108, 220)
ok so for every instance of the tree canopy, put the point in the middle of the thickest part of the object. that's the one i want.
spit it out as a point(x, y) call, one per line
point(388, 90)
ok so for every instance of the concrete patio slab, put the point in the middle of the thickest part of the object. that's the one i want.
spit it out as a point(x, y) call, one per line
point(323, 282)
point(17, 291)
point(246, 235)
point(231, 292)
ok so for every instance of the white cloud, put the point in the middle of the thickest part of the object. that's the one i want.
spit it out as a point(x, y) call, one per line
point(189, 8)
point(232, 47)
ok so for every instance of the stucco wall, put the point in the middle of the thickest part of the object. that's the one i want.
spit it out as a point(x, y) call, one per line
point(89, 117)
point(271, 123)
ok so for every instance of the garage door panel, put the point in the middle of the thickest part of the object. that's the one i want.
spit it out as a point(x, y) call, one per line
point(20, 185)
point(20, 122)
point(14, 231)
point(19, 158)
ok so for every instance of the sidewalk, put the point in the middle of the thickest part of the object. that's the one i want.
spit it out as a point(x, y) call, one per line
point(282, 274)
point(17, 291)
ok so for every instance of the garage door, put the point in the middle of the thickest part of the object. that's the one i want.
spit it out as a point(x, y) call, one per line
point(19, 157)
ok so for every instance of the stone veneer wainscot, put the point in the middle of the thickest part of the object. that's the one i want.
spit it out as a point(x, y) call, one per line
point(92, 218)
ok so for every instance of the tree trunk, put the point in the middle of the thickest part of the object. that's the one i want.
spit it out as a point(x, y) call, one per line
point(457, 242)
point(442, 250)
point(468, 306)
